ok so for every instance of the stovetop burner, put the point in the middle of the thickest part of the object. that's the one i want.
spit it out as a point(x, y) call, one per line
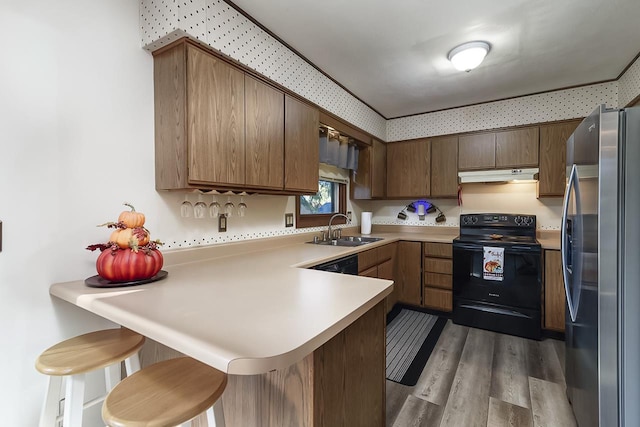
point(503, 229)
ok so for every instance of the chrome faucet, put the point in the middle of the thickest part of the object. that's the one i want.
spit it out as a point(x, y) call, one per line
point(329, 237)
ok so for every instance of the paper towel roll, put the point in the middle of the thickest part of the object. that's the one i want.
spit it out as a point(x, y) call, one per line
point(365, 223)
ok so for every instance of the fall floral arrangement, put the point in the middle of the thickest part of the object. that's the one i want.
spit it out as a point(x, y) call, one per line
point(130, 254)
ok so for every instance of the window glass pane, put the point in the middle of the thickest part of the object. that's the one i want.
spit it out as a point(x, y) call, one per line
point(323, 202)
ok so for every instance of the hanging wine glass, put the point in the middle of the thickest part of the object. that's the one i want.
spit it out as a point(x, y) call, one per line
point(200, 208)
point(186, 208)
point(242, 207)
point(229, 207)
point(214, 208)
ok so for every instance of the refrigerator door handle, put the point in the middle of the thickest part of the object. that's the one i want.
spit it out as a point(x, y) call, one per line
point(563, 243)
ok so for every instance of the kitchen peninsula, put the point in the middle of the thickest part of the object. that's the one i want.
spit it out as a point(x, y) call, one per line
point(302, 347)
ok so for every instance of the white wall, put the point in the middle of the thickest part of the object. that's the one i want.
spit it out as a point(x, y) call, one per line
point(77, 119)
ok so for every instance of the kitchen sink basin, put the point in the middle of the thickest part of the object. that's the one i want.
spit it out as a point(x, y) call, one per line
point(348, 241)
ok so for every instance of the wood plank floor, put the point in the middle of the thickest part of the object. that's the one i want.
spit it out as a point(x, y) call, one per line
point(480, 378)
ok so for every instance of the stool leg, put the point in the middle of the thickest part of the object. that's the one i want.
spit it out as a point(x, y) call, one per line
point(132, 364)
point(215, 414)
point(74, 401)
point(112, 376)
point(50, 408)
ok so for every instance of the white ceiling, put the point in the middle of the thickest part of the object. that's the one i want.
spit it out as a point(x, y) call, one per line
point(393, 54)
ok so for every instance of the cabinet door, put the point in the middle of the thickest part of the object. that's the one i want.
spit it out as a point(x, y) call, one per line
point(215, 120)
point(367, 259)
point(409, 168)
point(408, 274)
point(264, 134)
point(361, 179)
point(517, 148)
point(554, 296)
point(477, 151)
point(444, 167)
point(438, 299)
point(378, 169)
point(386, 270)
point(553, 156)
point(302, 156)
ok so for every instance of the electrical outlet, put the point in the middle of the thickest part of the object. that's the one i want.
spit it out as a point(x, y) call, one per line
point(222, 223)
point(288, 220)
point(349, 215)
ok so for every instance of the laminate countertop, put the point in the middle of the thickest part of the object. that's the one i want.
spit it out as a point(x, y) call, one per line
point(244, 308)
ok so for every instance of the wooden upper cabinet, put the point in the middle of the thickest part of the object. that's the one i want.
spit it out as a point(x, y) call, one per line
point(444, 167)
point(264, 135)
point(361, 179)
point(517, 148)
point(370, 180)
point(553, 157)
point(302, 155)
point(378, 169)
point(409, 168)
point(477, 151)
point(215, 120)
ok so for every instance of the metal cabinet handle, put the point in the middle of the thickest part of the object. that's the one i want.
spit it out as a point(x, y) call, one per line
point(563, 242)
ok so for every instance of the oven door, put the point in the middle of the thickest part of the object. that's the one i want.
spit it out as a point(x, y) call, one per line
point(521, 282)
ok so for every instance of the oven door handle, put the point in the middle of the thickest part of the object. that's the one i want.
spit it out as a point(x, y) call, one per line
point(564, 242)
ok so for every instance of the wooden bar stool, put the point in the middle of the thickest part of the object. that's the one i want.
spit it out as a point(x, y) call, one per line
point(70, 360)
point(166, 394)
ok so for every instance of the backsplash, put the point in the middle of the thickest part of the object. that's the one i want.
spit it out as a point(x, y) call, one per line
point(476, 198)
point(220, 26)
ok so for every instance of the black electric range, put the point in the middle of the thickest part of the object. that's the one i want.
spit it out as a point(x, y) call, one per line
point(497, 274)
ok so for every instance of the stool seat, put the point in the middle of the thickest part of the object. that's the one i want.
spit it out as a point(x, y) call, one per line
point(164, 394)
point(89, 352)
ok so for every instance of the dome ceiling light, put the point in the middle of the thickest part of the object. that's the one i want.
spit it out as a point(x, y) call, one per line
point(469, 55)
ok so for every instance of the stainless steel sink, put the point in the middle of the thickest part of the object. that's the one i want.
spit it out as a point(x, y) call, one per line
point(348, 241)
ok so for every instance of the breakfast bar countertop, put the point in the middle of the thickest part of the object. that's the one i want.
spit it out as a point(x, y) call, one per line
point(245, 307)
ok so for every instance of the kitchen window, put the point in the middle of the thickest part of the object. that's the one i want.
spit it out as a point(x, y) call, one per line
point(316, 210)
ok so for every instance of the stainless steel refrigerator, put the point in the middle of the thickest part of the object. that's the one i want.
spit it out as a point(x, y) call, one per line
point(601, 266)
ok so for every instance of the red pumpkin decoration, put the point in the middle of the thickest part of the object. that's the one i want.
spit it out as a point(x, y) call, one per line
point(125, 265)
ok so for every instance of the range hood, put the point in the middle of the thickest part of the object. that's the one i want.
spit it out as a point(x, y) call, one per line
point(499, 175)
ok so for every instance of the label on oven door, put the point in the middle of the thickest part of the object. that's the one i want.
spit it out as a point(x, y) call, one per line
point(493, 263)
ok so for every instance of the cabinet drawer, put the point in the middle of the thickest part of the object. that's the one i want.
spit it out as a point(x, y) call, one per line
point(438, 280)
point(438, 265)
point(438, 299)
point(438, 250)
point(370, 272)
point(385, 252)
point(367, 259)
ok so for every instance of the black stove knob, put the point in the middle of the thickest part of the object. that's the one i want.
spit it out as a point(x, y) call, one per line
point(528, 220)
point(474, 219)
point(518, 220)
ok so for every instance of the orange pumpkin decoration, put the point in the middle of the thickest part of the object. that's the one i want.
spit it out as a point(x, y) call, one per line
point(130, 237)
point(131, 219)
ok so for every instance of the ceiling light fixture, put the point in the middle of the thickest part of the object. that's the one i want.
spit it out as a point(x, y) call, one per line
point(468, 56)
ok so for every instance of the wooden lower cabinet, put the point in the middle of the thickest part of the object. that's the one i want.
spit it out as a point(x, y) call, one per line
point(438, 274)
point(380, 263)
point(408, 274)
point(554, 296)
point(341, 384)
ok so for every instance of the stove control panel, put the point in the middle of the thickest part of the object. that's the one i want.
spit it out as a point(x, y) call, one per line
point(498, 220)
